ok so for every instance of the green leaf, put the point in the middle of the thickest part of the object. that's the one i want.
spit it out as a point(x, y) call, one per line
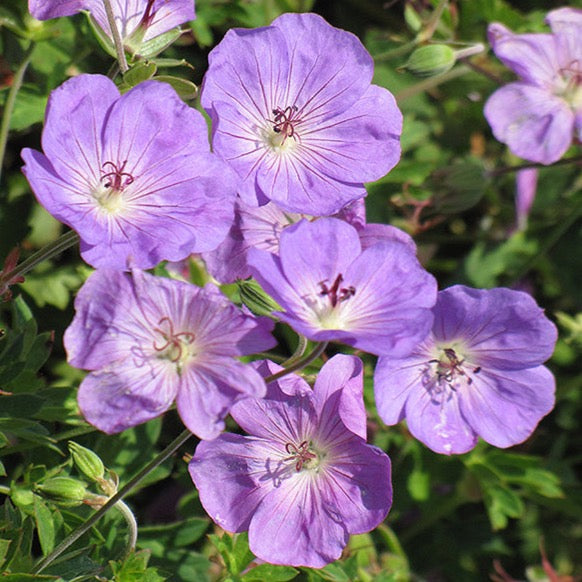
point(21, 405)
point(4, 545)
point(502, 503)
point(28, 109)
point(269, 572)
point(418, 485)
point(44, 525)
point(52, 286)
point(135, 569)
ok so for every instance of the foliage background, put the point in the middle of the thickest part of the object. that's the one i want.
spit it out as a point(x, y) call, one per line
point(454, 518)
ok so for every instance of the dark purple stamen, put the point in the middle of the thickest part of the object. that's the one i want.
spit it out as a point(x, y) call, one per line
point(284, 123)
point(115, 179)
point(337, 295)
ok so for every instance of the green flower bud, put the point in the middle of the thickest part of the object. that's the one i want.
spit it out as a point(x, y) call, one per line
point(430, 60)
point(64, 490)
point(458, 187)
point(87, 462)
point(253, 296)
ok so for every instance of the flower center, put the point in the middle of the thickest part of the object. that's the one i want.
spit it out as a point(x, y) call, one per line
point(285, 124)
point(571, 88)
point(171, 345)
point(442, 376)
point(302, 455)
point(114, 180)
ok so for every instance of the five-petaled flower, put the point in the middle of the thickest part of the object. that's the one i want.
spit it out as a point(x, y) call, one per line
point(538, 115)
point(305, 479)
point(132, 174)
point(138, 21)
point(149, 341)
point(294, 112)
point(479, 372)
point(378, 299)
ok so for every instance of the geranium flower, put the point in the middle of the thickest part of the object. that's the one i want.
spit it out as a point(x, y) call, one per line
point(294, 112)
point(478, 374)
point(138, 21)
point(378, 299)
point(149, 341)
point(538, 116)
point(132, 174)
point(305, 479)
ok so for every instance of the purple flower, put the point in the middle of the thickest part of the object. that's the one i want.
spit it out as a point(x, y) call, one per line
point(478, 374)
point(138, 21)
point(132, 174)
point(305, 479)
point(295, 114)
point(378, 299)
point(149, 341)
point(538, 115)
point(260, 227)
point(526, 183)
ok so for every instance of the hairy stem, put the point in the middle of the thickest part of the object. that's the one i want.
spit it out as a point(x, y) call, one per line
point(123, 508)
point(116, 37)
point(299, 351)
point(49, 251)
point(87, 525)
point(10, 101)
point(301, 363)
point(509, 169)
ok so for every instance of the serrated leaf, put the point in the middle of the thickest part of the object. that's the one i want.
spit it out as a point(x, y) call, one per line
point(502, 503)
point(269, 572)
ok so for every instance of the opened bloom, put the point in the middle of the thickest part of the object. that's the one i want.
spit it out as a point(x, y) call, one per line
point(378, 299)
point(478, 374)
point(294, 112)
point(132, 174)
point(304, 479)
point(540, 114)
point(150, 341)
point(138, 21)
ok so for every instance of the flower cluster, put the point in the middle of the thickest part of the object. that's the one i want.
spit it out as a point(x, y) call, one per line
point(297, 129)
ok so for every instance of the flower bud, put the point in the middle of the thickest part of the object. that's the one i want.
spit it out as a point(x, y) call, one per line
point(63, 490)
point(253, 296)
point(430, 60)
point(458, 187)
point(87, 462)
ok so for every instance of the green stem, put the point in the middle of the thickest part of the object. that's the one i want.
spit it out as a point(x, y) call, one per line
point(396, 52)
point(432, 82)
point(509, 169)
point(11, 100)
point(433, 22)
point(299, 351)
point(87, 525)
point(54, 248)
point(116, 37)
point(4, 490)
point(317, 351)
point(123, 508)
